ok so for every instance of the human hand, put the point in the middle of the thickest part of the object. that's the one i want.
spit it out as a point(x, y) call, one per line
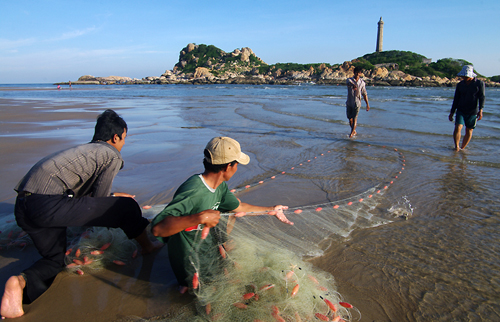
point(480, 115)
point(209, 218)
point(450, 117)
point(367, 107)
point(278, 212)
point(123, 194)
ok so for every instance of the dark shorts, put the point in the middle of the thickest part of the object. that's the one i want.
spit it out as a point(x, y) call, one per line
point(468, 120)
point(352, 112)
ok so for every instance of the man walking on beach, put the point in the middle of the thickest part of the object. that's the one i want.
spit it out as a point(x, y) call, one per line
point(468, 103)
point(72, 187)
point(356, 88)
point(197, 205)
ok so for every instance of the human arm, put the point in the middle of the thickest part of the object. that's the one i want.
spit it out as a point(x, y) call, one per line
point(365, 97)
point(277, 211)
point(454, 106)
point(481, 98)
point(171, 225)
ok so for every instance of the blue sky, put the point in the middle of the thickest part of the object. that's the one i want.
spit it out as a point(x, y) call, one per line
point(52, 41)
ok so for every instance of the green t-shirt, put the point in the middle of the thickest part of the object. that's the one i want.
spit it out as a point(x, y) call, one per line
point(192, 197)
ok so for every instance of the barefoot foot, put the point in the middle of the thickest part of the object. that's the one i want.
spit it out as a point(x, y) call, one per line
point(12, 300)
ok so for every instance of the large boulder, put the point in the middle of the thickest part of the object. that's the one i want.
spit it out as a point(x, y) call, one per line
point(246, 53)
point(202, 72)
point(87, 78)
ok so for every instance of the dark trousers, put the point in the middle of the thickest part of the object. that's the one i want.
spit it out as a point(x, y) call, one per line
point(45, 218)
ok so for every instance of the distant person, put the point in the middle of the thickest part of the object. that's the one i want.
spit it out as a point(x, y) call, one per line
point(197, 205)
point(69, 84)
point(468, 103)
point(58, 86)
point(356, 88)
point(72, 187)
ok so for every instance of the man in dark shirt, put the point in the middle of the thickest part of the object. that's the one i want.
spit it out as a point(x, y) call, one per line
point(72, 188)
point(468, 103)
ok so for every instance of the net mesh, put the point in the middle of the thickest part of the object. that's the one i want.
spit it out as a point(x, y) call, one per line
point(257, 268)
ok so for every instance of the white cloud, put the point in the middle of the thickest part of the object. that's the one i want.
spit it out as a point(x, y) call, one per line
point(7, 44)
point(74, 34)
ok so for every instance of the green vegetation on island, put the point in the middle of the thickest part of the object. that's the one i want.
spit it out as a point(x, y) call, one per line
point(208, 64)
point(414, 64)
point(220, 62)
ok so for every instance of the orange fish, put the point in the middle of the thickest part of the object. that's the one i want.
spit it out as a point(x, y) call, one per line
point(196, 282)
point(298, 211)
point(240, 305)
point(336, 319)
point(312, 278)
point(68, 251)
point(319, 209)
point(222, 251)
point(322, 317)
point(78, 252)
point(208, 308)
point(118, 262)
point(146, 207)
point(248, 296)
point(78, 262)
point(96, 252)
point(346, 305)
point(278, 318)
point(331, 305)
point(79, 271)
point(71, 265)
point(266, 287)
point(289, 275)
point(295, 290)
point(105, 246)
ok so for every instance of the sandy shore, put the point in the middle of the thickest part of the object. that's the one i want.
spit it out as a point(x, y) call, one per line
point(141, 289)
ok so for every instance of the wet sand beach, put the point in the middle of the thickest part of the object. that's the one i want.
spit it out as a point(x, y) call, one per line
point(439, 265)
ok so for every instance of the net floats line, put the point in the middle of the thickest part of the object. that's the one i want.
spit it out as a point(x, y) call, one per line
point(377, 190)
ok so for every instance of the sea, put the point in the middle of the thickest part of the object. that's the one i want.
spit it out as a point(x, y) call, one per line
point(436, 259)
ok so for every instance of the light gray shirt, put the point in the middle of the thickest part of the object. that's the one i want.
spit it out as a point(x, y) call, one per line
point(87, 169)
point(354, 96)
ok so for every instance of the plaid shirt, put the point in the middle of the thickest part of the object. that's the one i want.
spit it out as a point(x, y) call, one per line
point(87, 169)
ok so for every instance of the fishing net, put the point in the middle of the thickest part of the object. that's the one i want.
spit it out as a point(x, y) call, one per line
point(98, 247)
point(256, 268)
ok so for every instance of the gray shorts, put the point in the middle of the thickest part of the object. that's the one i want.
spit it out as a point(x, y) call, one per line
point(352, 112)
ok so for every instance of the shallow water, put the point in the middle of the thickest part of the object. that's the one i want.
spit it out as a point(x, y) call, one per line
point(441, 264)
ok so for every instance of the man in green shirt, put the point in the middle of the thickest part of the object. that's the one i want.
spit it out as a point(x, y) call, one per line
point(197, 205)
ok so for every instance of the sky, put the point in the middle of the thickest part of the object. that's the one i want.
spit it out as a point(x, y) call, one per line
point(56, 41)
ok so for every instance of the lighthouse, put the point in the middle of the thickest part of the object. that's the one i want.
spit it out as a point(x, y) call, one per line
point(380, 35)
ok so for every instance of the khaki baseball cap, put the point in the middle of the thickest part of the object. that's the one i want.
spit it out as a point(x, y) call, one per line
point(223, 150)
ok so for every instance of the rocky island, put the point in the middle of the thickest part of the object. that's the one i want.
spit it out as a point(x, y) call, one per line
point(207, 64)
